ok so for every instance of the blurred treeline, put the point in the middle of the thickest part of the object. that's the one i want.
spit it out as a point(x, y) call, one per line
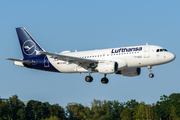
point(167, 108)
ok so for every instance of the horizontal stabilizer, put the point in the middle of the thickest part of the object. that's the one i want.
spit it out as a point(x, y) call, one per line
point(23, 61)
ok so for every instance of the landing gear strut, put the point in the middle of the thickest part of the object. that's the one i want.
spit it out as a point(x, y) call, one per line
point(104, 80)
point(150, 70)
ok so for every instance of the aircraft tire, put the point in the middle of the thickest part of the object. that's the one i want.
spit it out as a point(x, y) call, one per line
point(151, 75)
point(104, 80)
point(89, 79)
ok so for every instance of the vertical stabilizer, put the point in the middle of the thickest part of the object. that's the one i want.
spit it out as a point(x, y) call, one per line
point(29, 46)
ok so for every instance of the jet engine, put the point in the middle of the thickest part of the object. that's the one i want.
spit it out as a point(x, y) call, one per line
point(107, 67)
point(130, 72)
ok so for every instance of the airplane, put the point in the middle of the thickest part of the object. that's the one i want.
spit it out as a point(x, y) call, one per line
point(126, 61)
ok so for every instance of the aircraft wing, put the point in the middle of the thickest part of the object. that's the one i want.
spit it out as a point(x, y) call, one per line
point(70, 58)
point(23, 61)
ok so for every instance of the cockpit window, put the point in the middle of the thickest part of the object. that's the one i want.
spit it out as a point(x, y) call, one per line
point(161, 50)
point(165, 50)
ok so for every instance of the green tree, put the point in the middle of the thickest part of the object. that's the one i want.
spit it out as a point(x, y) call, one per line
point(168, 107)
point(75, 111)
point(132, 104)
point(34, 110)
point(52, 118)
point(56, 110)
point(88, 114)
point(116, 108)
point(21, 114)
point(127, 114)
point(5, 110)
point(46, 111)
point(154, 115)
point(139, 111)
point(100, 109)
point(174, 99)
point(15, 107)
point(163, 108)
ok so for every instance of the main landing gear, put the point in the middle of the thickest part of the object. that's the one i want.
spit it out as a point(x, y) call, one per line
point(88, 78)
point(150, 70)
point(104, 80)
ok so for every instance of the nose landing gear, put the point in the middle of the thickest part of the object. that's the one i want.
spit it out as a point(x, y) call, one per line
point(150, 70)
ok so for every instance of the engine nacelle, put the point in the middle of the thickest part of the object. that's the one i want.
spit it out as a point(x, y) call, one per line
point(108, 67)
point(121, 63)
point(131, 72)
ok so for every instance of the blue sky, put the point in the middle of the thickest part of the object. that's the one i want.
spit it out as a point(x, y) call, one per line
point(86, 25)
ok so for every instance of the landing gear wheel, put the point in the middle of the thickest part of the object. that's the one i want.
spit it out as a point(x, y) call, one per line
point(104, 80)
point(151, 75)
point(150, 70)
point(89, 79)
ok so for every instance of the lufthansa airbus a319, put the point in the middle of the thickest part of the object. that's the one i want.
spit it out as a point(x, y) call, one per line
point(126, 61)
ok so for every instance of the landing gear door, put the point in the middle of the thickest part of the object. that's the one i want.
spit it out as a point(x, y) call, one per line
point(146, 52)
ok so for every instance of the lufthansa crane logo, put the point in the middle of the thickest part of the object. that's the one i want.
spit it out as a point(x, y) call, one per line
point(29, 47)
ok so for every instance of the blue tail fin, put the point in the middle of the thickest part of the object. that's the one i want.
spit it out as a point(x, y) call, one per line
point(30, 48)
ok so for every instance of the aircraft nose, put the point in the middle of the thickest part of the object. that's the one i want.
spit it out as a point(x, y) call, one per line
point(172, 57)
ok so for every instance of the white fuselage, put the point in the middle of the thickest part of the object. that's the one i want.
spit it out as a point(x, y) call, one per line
point(147, 55)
